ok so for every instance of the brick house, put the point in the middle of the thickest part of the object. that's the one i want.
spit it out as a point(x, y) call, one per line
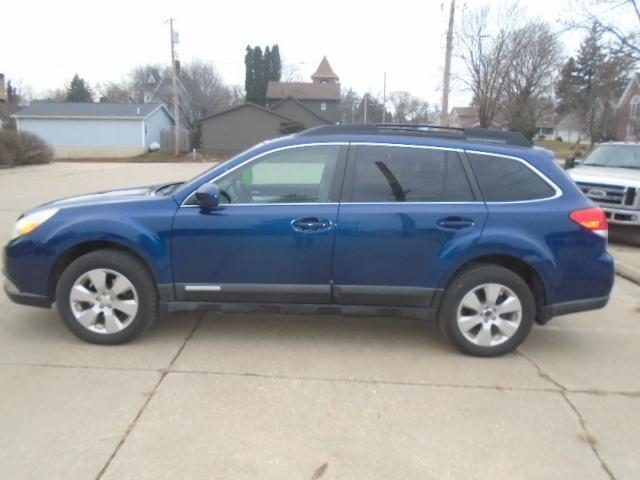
point(628, 111)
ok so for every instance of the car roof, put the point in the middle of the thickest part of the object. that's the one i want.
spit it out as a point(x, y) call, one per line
point(401, 138)
point(474, 135)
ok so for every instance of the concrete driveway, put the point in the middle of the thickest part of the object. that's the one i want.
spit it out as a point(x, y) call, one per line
point(248, 396)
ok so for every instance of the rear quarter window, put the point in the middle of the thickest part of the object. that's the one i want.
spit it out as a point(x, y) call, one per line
point(507, 180)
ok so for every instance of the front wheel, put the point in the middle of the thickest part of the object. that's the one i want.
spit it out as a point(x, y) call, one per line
point(487, 311)
point(107, 297)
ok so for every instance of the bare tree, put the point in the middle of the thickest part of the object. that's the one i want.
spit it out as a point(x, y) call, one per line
point(142, 77)
point(608, 16)
point(408, 108)
point(528, 81)
point(55, 95)
point(485, 54)
point(207, 91)
point(291, 73)
point(114, 92)
point(348, 106)
point(201, 88)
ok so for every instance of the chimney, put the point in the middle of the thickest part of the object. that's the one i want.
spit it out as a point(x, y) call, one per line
point(138, 111)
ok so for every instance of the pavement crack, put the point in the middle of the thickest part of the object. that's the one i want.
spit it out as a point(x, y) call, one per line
point(497, 388)
point(150, 395)
point(541, 372)
point(80, 367)
point(585, 435)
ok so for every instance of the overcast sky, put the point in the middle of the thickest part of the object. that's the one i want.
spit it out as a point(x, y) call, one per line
point(45, 42)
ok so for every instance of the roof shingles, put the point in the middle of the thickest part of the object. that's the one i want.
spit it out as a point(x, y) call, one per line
point(87, 109)
point(303, 91)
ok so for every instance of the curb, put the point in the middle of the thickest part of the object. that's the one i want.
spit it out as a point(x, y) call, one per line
point(628, 274)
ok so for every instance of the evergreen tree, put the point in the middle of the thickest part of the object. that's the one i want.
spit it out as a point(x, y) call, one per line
point(261, 79)
point(267, 59)
point(566, 86)
point(78, 90)
point(260, 68)
point(590, 84)
point(250, 75)
point(276, 64)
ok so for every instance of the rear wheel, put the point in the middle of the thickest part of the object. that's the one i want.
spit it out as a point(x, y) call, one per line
point(107, 297)
point(488, 310)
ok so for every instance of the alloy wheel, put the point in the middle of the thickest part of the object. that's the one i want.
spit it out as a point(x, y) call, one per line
point(489, 314)
point(103, 301)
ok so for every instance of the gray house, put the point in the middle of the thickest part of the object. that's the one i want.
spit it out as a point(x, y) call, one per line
point(85, 130)
point(238, 128)
point(321, 95)
point(293, 108)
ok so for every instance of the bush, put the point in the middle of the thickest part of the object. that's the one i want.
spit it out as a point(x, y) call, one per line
point(22, 148)
point(559, 139)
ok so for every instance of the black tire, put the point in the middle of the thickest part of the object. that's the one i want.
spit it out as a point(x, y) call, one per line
point(138, 275)
point(466, 281)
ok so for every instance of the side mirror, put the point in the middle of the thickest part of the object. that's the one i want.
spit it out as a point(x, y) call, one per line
point(569, 162)
point(208, 196)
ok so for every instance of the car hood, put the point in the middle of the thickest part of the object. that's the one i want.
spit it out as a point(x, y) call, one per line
point(110, 196)
point(623, 177)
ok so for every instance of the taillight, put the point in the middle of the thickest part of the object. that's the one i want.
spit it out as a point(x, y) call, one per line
point(592, 219)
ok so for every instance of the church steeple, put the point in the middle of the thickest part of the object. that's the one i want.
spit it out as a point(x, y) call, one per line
point(324, 73)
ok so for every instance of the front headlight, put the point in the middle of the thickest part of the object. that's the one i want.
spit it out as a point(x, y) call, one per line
point(31, 222)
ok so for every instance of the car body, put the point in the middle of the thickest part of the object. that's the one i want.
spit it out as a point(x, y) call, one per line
point(338, 219)
point(610, 176)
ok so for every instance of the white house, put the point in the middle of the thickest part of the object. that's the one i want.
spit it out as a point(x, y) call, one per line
point(86, 130)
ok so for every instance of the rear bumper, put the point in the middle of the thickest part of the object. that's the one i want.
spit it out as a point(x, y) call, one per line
point(549, 311)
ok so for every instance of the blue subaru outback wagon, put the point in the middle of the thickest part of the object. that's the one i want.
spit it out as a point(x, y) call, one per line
point(473, 228)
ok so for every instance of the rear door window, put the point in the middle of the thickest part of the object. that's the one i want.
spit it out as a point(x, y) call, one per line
point(507, 180)
point(381, 173)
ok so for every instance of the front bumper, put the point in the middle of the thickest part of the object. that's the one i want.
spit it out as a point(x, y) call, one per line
point(23, 298)
point(621, 216)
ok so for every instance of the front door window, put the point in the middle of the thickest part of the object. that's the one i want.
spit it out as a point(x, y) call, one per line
point(294, 175)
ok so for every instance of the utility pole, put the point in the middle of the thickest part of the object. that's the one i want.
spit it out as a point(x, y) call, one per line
point(364, 99)
point(444, 115)
point(384, 99)
point(174, 82)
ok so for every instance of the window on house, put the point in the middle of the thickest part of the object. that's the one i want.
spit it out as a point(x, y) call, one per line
point(635, 107)
point(323, 106)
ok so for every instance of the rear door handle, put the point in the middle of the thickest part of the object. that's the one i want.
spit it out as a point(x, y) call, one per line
point(311, 224)
point(455, 223)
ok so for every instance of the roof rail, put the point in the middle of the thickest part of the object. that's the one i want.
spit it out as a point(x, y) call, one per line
point(483, 135)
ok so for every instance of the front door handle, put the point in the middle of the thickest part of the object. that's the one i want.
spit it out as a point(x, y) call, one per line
point(455, 223)
point(311, 224)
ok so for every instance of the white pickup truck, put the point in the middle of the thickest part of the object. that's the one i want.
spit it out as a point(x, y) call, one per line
point(610, 176)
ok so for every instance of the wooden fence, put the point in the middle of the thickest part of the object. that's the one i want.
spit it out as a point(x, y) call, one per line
point(167, 140)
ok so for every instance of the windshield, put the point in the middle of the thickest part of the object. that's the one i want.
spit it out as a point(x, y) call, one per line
point(615, 156)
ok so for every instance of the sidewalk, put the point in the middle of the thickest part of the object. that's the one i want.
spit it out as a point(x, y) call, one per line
point(627, 259)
